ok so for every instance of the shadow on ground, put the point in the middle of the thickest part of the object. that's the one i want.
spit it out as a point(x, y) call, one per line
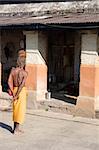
point(7, 127)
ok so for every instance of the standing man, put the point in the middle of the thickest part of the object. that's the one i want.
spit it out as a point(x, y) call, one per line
point(16, 82)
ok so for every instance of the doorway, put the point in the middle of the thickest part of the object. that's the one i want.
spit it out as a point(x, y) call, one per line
point(61, 65)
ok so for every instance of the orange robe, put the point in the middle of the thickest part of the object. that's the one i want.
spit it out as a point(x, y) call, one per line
point(19, 106)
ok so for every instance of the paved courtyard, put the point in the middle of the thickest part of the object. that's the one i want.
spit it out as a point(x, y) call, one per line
point(50, 131)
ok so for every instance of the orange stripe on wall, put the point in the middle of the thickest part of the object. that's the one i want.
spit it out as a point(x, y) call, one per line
point(37, 77)
point(97, 80)
point(87, 80)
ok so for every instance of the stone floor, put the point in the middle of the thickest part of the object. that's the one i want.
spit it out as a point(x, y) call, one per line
point(49, 131)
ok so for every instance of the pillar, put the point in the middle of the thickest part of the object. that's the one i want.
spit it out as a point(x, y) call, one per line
point(97, 85)
point(36, 49)
point(0, 65)
point(97, 80)
point(86, 100)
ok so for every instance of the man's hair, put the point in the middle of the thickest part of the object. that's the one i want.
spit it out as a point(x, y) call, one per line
point(21, 62)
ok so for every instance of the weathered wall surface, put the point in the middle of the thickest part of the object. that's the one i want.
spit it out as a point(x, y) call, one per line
point(89, 48)
point(50, 8)
point(11, 40)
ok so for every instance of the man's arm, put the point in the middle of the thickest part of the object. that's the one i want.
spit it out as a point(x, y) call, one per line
point(10, 81)
point(22, 84)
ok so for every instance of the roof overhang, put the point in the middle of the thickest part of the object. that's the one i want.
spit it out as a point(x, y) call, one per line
point(70, 19)
point(32, 1)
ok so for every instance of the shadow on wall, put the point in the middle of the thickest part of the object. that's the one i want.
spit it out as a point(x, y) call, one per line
point(63, 97)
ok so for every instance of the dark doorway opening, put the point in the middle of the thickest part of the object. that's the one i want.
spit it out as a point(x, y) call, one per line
point(61, 62)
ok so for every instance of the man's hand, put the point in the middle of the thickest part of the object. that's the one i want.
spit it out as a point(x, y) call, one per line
point(10, 92)
point(15, 97)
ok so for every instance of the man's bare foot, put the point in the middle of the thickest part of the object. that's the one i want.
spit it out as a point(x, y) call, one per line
point(18, 131)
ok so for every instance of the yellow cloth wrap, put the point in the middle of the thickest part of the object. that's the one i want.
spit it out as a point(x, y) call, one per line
point(19, 106)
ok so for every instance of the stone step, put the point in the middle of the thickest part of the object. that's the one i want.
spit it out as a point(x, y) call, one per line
point(5, 101)
point(57, 106)
point(52, 104)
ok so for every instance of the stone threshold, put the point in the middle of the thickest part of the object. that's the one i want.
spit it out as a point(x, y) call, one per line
point(56, 106)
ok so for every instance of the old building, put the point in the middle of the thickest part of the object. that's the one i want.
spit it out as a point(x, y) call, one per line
point(61, 40)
